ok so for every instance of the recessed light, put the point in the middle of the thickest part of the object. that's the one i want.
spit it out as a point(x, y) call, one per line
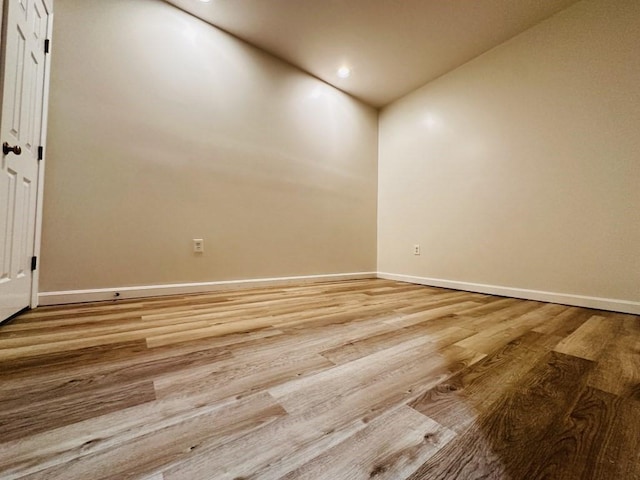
point(344, 72)
point(205, 1)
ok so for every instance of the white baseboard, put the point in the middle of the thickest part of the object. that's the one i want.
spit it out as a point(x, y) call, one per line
point(102, 294)
point(612, 304)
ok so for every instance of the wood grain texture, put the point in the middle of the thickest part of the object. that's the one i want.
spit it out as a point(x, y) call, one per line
point(456, 402)
point(502, 440)
point(177, 442)
point(362, 379)
point(618, 368)
point(95, 369)
point(590, 339)
point(587, 443)
point(415, 439)
point(23, 419)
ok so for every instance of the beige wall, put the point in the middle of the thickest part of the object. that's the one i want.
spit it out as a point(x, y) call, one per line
point(163, 129)
point(522, 167)
point(518, 169)
point(1, 32)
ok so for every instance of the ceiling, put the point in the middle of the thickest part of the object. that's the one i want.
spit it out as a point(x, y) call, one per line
point(391, 46)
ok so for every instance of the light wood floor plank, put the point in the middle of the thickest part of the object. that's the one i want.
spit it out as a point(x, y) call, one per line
point(361, 379)
point(590, 339)
point(392, 446)
point(618, 367)
point(165, 447)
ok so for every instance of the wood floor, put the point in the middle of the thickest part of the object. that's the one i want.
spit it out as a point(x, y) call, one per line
point(367, 379)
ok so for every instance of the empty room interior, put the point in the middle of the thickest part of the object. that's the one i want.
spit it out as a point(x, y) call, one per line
point(320, 239)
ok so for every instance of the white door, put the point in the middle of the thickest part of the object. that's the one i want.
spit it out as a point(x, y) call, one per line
point(23, 81)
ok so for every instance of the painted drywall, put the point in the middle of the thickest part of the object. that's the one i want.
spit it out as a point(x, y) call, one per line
point(1, 30)
point(522, 167)
point(163, 129)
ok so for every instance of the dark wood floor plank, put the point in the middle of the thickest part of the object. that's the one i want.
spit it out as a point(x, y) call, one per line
point(50, 363)
point(585, 444)
point(17, 348)
point(619, 452)
point(461, 399)
point(35, 417)
point(127, 366)
point(500, 443)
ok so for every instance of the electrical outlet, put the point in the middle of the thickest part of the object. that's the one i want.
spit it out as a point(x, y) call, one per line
point(198, 245)
point(416, 249)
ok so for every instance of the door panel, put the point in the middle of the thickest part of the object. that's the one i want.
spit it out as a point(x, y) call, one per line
point(23, 90)
point(15, 77)
point(6, 217)
point(26, 215)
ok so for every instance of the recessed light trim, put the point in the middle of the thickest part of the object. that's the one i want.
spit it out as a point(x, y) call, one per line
point(344, 72)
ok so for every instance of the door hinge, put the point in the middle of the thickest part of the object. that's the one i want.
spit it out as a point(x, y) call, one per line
point(40, 153)
point(34, 263)
point(47, 45)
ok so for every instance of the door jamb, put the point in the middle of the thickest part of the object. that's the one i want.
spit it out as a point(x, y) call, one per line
point(35, 275)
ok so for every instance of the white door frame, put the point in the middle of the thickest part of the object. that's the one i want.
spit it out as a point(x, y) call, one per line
point(35, 276)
